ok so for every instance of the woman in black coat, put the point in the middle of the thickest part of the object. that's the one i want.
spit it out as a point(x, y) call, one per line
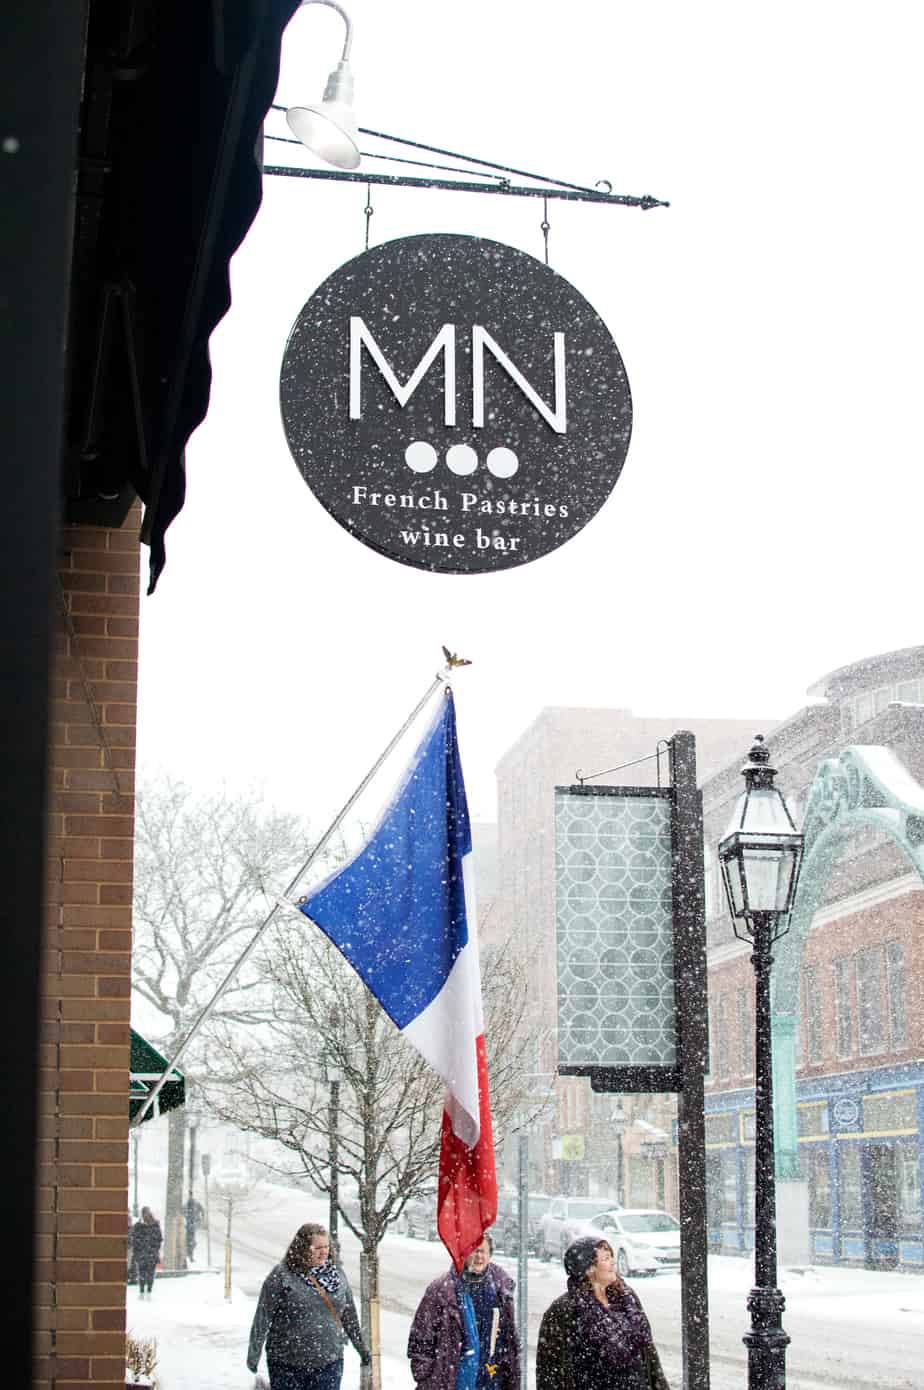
point(146, 1243)
point(596, 1336)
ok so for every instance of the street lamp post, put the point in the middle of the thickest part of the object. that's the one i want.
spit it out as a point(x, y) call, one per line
point(333, 1123)
point(655, 1151)
point(761, 854)
point(192, 1121)
point(206, 1162)
point(619, 1128)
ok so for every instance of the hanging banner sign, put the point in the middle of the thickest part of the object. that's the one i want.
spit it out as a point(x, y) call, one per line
point(455, 404)
point(615, 914)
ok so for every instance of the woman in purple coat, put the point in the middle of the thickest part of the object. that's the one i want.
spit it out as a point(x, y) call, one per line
point(596, 1336)
point(464, 1334)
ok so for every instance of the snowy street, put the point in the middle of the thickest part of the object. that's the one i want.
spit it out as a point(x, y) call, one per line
point(849, 1328)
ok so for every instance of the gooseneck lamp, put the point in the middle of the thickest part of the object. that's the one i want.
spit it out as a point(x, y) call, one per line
point(329, 129)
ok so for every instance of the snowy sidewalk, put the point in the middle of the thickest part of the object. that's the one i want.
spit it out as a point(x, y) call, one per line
point(202, 1338)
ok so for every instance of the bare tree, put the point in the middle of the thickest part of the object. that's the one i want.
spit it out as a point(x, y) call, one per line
point(269, 1081)
point(206, 872)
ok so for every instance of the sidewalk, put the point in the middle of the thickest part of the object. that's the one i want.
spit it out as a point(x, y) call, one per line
point(202, 1338)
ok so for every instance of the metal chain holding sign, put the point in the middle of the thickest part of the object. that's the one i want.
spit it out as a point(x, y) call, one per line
point(546, 227)
point(368, 210)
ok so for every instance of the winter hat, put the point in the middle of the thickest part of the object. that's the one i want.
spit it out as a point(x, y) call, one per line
point(580, 1256)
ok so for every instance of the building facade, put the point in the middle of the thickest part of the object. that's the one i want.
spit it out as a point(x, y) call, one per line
point(583, 1143)
point(848, 986)
point(848, 980)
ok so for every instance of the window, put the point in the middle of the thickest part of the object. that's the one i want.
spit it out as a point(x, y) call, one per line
point(891, 1110)
point(843, 999)
point(851, 1197)
point(909, 1190)
point(895, 988)
point(730, 1186)
point(812, 1118)
point(883, 697)
point(745, 1032)
point(721, 1128)
point(721, 1036)
point(864, 708)
point(819, 1185)
point(811, 983)
point(869, 1000)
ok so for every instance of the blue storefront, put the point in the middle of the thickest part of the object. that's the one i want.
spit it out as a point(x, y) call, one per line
point(859, 1151)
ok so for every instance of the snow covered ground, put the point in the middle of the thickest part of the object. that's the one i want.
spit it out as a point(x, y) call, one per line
point(851, 1329)
point(202, 1337)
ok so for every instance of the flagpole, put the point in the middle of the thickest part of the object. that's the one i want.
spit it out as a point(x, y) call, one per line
point(439, 679)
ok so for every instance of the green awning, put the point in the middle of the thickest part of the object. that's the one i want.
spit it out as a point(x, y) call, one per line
point(147, 1067)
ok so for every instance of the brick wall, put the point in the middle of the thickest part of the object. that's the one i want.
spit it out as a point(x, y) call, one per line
point(83, 1159)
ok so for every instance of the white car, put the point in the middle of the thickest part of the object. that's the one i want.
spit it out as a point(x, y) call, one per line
point(644, 1240)
point(564, 1222)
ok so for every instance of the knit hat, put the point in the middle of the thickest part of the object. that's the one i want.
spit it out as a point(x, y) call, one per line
point(580, 1255)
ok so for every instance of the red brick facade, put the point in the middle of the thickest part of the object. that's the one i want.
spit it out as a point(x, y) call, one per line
point(897, 920)
point(83, 1154)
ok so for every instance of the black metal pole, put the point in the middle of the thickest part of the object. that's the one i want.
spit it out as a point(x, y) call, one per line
point(690, 992)
point(620, 1179)
point(522, 1253)
point(334, 1159)
point(766, 1342)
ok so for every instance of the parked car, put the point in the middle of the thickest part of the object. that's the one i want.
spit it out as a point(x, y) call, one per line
point(506, 1229)
point(419, 1217)
point(644, 1239)
point(559, 1223)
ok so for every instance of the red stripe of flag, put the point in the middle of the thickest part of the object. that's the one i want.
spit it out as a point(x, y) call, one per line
point(467, 1200)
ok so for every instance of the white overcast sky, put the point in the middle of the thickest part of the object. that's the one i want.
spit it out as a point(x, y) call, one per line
point(767, 524)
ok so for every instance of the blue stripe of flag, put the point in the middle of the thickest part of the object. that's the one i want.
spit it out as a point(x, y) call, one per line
point(397, 911)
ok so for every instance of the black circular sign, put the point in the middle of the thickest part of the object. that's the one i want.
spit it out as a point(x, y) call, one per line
point(455, 404)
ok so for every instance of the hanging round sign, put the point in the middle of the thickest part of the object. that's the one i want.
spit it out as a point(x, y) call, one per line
point(455, 404)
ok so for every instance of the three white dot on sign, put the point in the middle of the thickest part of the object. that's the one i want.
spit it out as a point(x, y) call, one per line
point(461, 459)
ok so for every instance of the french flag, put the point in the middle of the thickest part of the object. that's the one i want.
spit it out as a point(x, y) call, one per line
point(402, 912)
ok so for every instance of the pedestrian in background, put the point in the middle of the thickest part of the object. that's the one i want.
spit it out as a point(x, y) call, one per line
point(195, 1215)
point(596, 1336)
point(464, 1334)
point(305, 1314)
point(146, 1242)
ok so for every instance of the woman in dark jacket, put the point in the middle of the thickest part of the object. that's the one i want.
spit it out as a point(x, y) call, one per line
point(464, 1332)
point(596, 1336)
point(305, 1314)
point(146, 1243)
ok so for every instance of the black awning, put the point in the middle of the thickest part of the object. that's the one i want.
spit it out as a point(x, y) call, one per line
point(169, 181)
point(147, 1067)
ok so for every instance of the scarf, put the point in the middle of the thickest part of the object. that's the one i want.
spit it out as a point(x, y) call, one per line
point(483, 1293)
point(614, 1337)
point(328, 1275)
point(467, 1376)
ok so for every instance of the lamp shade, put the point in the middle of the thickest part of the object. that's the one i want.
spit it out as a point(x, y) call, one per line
point(761, 851)
point(329, 129)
